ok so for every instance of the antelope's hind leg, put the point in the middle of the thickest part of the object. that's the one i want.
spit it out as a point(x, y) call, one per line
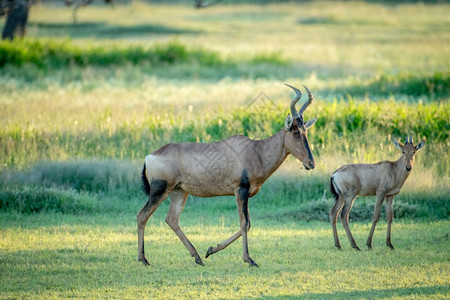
point(334, 212)
point(158, 193)
point(349, 200)
point(177, 202)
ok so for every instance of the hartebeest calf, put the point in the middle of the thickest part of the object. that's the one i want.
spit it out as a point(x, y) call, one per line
point(384, 179)
point(235, 166)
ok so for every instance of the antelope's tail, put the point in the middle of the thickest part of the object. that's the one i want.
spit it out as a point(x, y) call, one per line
point(335, 191)
point(145, 183)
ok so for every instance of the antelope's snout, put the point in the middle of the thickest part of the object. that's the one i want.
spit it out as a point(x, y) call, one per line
point(408, 169)
point(311, 165)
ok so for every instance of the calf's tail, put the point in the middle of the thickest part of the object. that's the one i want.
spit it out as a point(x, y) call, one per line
point(333, 188)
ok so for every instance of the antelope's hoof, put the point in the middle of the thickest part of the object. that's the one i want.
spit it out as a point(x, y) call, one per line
point(390, 246)
point(209, 252)
point(251, 262)
point(369, 246)
point(356, 248)
point(338, 247)
point(199, 261)
point(144, 261)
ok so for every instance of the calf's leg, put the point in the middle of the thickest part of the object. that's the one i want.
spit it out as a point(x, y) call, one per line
point(376, 217)
point(333, 218)
point(389, 218)
point(349, 200)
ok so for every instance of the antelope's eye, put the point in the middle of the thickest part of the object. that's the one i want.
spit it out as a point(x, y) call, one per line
point(403, 152)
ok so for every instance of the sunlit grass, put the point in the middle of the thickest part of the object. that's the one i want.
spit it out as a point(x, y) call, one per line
point(326, 33)
point(55, 256)
point(79, 127)
point(324, 38)
point(73, 137)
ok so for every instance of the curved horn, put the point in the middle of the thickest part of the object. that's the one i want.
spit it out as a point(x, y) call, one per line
point(307, 103)
point(411, 139)
point(406, 140)
point(294, 101)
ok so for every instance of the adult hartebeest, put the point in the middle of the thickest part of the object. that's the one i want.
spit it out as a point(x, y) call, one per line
point(235, 166)
point(384, 179)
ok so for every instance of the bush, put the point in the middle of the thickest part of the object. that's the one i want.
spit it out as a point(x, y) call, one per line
point(93, 176)
point(361, 211)
point(29, 200)
point(55, 54)
point(435, 85)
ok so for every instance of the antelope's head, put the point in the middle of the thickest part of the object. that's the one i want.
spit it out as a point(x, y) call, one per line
point(409, 151)
point(296, 140)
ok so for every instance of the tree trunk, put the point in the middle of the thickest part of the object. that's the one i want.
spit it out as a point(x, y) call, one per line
point(16, 20)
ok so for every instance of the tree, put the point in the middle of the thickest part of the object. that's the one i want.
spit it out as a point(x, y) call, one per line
point(202, 4)
point(16, 12)
point(80, 3)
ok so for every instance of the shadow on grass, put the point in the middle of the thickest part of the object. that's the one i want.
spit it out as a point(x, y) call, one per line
point(104, 30)
point(123, 31)
point(67, 26)
point(374, 294)
point(436, 85)
point(332, 20)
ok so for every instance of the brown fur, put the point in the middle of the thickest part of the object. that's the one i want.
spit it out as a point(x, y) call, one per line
point(236, 166)
point(384, 179)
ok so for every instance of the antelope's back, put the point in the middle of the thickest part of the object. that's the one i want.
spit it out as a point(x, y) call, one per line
point(202, 169)
point(362, 179)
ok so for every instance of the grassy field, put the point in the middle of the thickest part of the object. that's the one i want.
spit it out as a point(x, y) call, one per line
point(82, 104)
point(54, 256)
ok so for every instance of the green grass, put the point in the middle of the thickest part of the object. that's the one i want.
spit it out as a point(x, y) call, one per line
point(57, 54)
point(95, 256)
point(81, 105)
point(358, 129)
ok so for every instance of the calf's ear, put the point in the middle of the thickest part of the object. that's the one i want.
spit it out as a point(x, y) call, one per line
point(420, 145)
point(397, 144)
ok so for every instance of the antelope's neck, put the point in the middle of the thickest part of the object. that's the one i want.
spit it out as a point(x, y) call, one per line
point(272, 153)
point(400, 171)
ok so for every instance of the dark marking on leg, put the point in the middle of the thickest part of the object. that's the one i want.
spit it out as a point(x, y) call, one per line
point(244, 185)
point(157, 188)
point(242, 201)
point(244, 190)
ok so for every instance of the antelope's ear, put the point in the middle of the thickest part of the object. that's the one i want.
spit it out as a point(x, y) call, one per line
point(310, 123)
point(288, 123)
point(397, 144)
point(420, 145)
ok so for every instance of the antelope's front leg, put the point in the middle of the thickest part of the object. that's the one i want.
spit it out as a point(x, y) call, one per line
point(389, 217)
point(376, 217)
point(244, 218)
